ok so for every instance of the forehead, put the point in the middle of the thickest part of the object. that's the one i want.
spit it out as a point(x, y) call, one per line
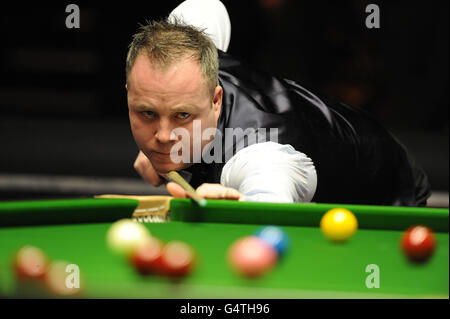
point(180, 77)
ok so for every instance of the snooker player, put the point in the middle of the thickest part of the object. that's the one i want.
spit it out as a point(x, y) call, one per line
point(179, 76)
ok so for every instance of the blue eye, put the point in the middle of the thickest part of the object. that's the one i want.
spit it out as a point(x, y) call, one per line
point(148, 113)
point(183, 115)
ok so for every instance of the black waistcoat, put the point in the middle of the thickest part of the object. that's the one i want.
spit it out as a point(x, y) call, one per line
point(356, 159)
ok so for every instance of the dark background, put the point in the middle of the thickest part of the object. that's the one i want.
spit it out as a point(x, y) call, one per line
point(63, 111)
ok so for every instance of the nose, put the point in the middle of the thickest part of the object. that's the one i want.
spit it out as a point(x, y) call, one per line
point(164, 132)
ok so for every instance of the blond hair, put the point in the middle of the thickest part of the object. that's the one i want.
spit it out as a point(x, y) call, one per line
point(166, 42)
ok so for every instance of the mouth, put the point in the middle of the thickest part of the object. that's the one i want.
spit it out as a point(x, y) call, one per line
point(165, 153)
point(161, 153)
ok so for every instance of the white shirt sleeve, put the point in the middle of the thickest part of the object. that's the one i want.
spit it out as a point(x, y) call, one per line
point(271, 172)
point(210, 15)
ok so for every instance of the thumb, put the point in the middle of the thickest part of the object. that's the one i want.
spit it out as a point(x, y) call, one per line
point(176, 190)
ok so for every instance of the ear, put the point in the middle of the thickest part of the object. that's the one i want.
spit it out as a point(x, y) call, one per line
point(126, 86)
point(217, 101)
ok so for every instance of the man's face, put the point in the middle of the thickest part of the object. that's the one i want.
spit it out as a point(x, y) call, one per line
point(163, 99)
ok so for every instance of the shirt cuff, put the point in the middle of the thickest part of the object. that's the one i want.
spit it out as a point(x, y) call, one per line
point(271, 172)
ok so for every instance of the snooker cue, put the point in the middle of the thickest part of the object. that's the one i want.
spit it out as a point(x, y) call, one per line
point(177, 178)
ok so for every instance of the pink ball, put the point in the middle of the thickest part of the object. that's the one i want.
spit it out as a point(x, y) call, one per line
point(251, 256)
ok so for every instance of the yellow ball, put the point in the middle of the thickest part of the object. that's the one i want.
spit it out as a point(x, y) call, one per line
point(338, 224)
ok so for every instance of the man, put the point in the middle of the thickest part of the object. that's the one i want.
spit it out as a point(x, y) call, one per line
point(322, 151)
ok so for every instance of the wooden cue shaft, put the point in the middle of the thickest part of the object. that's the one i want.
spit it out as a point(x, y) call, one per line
point(175, 177)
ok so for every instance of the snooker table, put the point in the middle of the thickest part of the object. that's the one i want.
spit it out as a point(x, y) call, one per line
point(74, 230)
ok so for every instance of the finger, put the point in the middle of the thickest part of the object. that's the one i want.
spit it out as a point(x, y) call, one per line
point(212, 191)
point(145, 169)
point(151, 176)
point(231, 193)
point(138, 164)
point(176, 190)
point(208, 191)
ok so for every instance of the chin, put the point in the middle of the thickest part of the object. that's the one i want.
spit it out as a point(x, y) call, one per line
point(164, 168)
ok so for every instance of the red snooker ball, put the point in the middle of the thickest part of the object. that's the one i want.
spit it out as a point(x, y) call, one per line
point(178, 259)
point(30, 262)
point(418, 243)
point(58, 281)
point(147, 258)
point(252, 257)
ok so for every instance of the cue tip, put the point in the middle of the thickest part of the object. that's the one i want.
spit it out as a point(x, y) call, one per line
point(202, 202)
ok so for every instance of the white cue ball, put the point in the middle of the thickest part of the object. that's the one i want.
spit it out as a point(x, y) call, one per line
point(125, 235)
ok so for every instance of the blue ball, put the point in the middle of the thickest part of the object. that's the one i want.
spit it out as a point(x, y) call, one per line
point(275, 237)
